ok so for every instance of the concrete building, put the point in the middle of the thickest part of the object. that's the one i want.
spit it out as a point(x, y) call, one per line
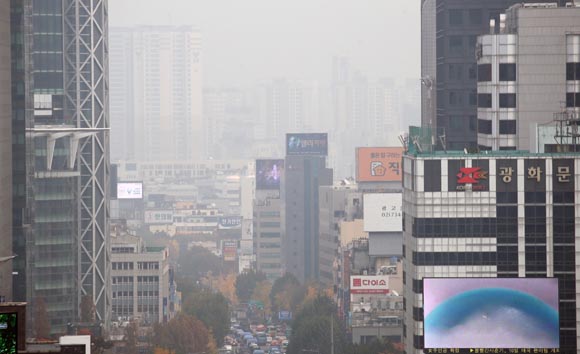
point(159, 101)
point(268, 235)
point(337, 203)
point(534, 41)
point(140, 278)
point(71, 141)
point(304, 175)
point(494, 215)
point(449, 30)
point(5, 154)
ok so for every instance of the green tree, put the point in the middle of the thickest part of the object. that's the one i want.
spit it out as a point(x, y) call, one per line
point(246, 284)
point(287, 293)
point(210, 308)
point(184, 334)
point(311, 328)
point(197, 262)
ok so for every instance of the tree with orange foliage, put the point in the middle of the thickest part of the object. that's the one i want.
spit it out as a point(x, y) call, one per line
point(226, 285)
point(262, 293)
point(182, 335)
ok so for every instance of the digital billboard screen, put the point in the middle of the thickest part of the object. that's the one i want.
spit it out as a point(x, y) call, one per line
point(8, 333)
point(379, 164)
point(269, 174)
point(505, 313)
point(129, 190)
point(315, 144)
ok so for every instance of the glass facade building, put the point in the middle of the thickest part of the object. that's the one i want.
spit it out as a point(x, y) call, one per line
point(68, 253)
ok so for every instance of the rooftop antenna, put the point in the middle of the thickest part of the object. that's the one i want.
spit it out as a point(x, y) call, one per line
point(404, 140)
point(443, 141)
point(417, 143)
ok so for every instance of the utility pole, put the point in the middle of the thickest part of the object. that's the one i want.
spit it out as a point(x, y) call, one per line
point(331, 335)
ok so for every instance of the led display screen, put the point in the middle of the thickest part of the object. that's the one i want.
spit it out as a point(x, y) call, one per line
point(269, 173)
point(8, 333)
point(129, 190)
point(307, 144)
point(469, 313)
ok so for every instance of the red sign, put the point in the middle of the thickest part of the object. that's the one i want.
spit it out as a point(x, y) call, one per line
point(470, 175)
point(369, 284)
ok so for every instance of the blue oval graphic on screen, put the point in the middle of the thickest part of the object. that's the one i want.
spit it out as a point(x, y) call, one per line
point(492, 318)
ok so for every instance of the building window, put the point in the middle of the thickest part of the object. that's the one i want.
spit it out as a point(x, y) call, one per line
point(507, 72)
point(456, 98)
point(484, 126)
point(507, 127)
point(455, 72)
point(507, 100)
point(484, 72)
point(456, 123)
point(473, 123)
point(455, 45)
point(475, 16)
point(472, 72)
point(455, 17)
point(473, 98)
point(572, 99)
point(572, 71)
point(484, 100)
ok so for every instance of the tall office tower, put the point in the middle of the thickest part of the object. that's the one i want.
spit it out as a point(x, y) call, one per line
point(305, 173)
point(121, 82)
point(69, 253)
point(365, 113)
point(449, 30)
point(230, 121)
point(495, 215)
point(22, 148)
point(286, 106)
point(5, 155)
point(535, 41)
point(160, 67)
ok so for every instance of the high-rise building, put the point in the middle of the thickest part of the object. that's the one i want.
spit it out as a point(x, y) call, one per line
point(230, 119)
point(22, 148)
point(495, 215)
point(534, 41)
point(121, 102)
point(304, 175)
point(268, 232)
point(69, 254)
point(157, 75)
point(5, 154)
point(449, 30)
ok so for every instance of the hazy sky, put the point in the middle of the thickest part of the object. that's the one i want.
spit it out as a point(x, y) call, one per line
point(245, 41)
